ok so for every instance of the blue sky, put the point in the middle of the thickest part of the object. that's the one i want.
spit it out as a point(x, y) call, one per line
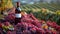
point(27, 1)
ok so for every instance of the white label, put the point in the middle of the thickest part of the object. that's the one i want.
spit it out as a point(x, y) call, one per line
point(18, 15)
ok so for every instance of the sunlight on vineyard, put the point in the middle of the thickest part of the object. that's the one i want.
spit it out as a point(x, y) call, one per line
point(5, 4)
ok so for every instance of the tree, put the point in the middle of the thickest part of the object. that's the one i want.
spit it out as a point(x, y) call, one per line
point(5, 4)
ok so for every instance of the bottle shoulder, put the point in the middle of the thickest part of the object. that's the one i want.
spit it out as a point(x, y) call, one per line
point(18, 8)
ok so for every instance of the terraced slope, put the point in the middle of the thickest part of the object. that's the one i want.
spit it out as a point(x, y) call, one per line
point(41, 5)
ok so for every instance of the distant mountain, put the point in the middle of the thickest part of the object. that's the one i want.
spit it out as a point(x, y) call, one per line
point(31, 1)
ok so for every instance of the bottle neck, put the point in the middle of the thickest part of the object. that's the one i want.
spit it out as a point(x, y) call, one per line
point(18, 6)
point(18, 9)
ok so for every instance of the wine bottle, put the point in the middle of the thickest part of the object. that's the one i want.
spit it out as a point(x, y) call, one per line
point(17, 13)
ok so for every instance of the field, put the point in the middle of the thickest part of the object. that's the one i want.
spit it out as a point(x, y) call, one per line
point(52, 7)
point(52, 10)
point(37, 19)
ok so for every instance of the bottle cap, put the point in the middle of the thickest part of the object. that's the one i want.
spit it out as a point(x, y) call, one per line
point(18, 4)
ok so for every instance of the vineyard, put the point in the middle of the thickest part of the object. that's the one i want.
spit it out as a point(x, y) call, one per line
point(36, 19)
point(52, 12)
point(52, 7)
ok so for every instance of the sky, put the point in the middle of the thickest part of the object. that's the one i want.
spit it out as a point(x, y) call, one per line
point(28, 1)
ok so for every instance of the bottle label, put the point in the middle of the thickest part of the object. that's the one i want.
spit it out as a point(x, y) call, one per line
point(18, 15)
